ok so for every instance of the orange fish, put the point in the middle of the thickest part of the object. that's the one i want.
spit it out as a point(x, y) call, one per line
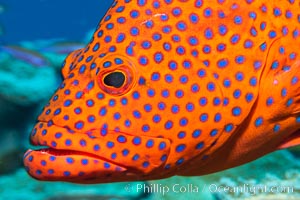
point(173, 87)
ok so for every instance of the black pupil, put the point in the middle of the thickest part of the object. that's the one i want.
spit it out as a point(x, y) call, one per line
point(114, 79)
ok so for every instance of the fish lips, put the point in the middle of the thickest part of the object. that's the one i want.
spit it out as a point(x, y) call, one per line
point(59, 157)
point(92, 157)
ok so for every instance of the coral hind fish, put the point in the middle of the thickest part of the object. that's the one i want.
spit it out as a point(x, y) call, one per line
point(173, 87)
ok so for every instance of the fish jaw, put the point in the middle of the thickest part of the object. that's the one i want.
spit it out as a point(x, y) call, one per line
point(85, 158)
point(57, 169)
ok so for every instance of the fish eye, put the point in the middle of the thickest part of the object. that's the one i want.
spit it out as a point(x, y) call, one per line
point(114, 79)
point(116, 75)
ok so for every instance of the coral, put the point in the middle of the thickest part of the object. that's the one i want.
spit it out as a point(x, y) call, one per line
point(20, 186)
point(24, 84)
point(180, 188)
point(252, 181)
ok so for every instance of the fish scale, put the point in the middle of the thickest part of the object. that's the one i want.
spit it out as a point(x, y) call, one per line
point(173, 88)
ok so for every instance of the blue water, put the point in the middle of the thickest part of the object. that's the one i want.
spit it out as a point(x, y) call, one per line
point(47, 19)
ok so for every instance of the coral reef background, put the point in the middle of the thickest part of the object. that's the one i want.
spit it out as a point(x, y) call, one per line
point(34, 43)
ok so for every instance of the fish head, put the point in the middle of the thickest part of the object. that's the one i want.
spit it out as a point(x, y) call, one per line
point(128, 103)
point(98, 118)
point(110, 119)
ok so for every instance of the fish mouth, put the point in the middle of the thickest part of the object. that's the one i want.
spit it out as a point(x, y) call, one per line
point(50, 164)
point(91, 157)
